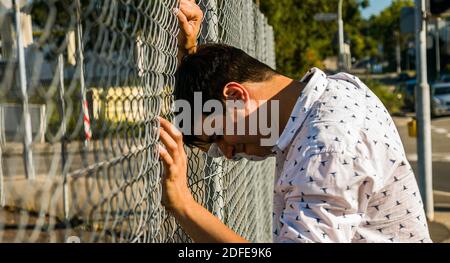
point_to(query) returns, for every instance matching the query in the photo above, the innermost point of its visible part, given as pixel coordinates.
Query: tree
(382, 28)
(302, 42)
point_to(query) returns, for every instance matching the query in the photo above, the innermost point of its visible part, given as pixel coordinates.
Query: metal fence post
(210, 26)
(423, 112)
(84, 105)
(214, 191)
(63, 136)
(2, 187)
(27, 138)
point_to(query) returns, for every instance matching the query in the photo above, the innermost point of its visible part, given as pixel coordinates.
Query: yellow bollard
(412, 128)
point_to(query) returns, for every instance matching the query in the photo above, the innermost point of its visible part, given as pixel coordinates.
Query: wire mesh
(81, 85)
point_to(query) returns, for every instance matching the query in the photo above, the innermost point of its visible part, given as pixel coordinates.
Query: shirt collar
(312, 91)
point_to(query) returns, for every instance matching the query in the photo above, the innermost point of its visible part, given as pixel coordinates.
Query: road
(441, 155)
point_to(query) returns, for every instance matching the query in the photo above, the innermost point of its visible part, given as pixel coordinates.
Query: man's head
(224, 74)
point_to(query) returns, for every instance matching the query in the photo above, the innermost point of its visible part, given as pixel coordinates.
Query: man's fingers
(170, 144)
(165, 157)
(184, 23)
(181, 16)
(191, 11)
(176, 135)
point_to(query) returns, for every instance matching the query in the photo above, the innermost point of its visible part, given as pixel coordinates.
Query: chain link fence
(81, 85)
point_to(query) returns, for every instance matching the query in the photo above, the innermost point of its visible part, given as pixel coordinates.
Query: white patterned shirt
(342, 173)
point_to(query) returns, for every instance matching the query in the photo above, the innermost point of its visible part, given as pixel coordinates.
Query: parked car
(441, 99)
(444, 78)
(440, 94)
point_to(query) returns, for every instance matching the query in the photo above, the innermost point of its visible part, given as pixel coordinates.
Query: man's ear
(235, 91)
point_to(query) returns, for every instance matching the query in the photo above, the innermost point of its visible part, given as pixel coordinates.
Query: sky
(376, 6)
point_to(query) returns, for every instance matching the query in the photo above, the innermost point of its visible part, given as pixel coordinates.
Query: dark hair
(210, 69)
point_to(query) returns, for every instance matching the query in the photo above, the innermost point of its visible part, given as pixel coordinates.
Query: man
(341, 170)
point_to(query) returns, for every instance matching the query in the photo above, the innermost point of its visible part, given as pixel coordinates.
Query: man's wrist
(184, 207)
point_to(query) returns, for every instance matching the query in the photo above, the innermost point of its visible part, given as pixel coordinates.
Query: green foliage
(302, 42)
(384, 28)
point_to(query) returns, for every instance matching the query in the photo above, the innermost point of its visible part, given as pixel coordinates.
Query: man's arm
(195, 220)
(190, 18)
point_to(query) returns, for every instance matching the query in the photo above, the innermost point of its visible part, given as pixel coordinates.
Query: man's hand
(196, 221)
(176, 196)
(190, 18)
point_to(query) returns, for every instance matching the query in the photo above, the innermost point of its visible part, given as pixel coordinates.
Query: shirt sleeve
(326, 196)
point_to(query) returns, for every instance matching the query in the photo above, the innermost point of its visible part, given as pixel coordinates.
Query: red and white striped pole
(86, 120)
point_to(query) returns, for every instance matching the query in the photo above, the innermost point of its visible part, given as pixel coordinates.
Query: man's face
(235, 134)
(232, 145)
(239, 124)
